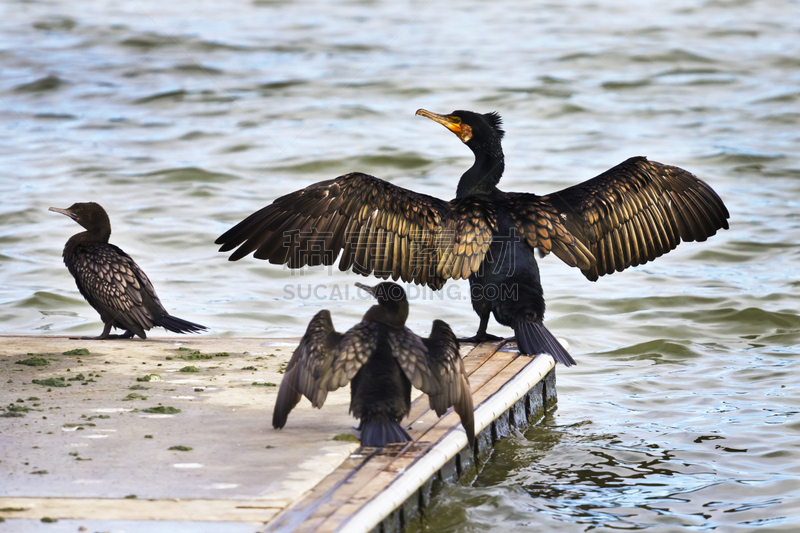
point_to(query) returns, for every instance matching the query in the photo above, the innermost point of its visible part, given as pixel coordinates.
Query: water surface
(183, 118)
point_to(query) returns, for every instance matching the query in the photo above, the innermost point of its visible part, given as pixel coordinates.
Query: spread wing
(115, 285)
(325, 360)
(435, 367)
(317, 346)
(635, 212)
(380, 229)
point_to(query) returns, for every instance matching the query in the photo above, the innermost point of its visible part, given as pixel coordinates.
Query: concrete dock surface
(174, 434)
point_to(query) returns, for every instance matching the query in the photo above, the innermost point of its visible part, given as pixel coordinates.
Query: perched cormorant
(626, 216)
(381, 358)
(111, 281)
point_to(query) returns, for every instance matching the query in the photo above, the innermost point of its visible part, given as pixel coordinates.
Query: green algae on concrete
(77, 351)
(181, 448)
(16, 411)
(34, 361)
(189, 369)
(347, 437)
(14, 408)
(52, 382)
(162, 409)
(133, 396)
(196, 356)
(149, 377)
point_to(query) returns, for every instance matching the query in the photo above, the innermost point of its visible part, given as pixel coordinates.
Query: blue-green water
(182, 118)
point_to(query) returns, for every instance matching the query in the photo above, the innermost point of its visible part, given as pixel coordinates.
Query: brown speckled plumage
(111, 281)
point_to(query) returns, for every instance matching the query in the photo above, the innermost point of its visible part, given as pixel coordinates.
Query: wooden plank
(478, 379)
(472, 361)
(398, 504)
(351, 478)
(306, 515)
(429, 432)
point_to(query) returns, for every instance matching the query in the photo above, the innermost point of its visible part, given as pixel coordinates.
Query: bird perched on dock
(626, 216)
(111, 281)
(381, 358)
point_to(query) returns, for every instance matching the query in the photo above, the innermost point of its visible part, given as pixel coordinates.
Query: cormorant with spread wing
(111, 281)
(381, 358)
(626, 216)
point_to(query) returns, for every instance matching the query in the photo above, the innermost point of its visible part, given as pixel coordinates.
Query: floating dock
(177, 431)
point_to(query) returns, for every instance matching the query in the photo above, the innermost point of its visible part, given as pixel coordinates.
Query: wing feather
(636, 212)
(352, 352)
(435, 367)
(317, 348)
(540, 226)
(379, 228)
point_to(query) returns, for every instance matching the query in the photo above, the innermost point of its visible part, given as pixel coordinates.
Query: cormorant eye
(455, 120)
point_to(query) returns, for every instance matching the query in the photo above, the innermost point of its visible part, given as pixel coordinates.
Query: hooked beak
(66, 212)
(366, 288)
(451, 123)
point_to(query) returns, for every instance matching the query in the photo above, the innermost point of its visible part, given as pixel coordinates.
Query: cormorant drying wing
(381, 358)
(626, 216)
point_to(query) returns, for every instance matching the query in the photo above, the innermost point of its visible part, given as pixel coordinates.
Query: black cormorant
(381, 358)
(626, 216)
(111, 281)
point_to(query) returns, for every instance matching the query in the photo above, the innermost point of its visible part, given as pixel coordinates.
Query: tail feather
(178, 325)
(382, 430)
(533, 338)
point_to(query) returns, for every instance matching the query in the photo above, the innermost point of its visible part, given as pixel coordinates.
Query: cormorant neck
(486, 171)
(395, 317)
(93, 235)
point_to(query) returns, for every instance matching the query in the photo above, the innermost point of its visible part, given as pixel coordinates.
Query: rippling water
(182, 118)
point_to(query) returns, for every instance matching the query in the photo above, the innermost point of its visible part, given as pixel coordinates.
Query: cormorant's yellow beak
(450, 122)
(66, 212)
(366, 288)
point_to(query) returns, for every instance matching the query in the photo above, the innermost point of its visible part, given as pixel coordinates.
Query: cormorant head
(392, 305)
(89, 215)
(470, 127)
(483, 135)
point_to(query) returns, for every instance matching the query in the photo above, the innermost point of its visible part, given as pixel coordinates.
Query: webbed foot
(103, 337)
(477, 339)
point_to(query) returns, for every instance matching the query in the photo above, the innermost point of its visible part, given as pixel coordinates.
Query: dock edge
(522, 400)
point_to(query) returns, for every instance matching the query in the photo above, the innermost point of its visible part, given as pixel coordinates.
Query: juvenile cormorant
(111, 281)
(381, 358)
(626, 216)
